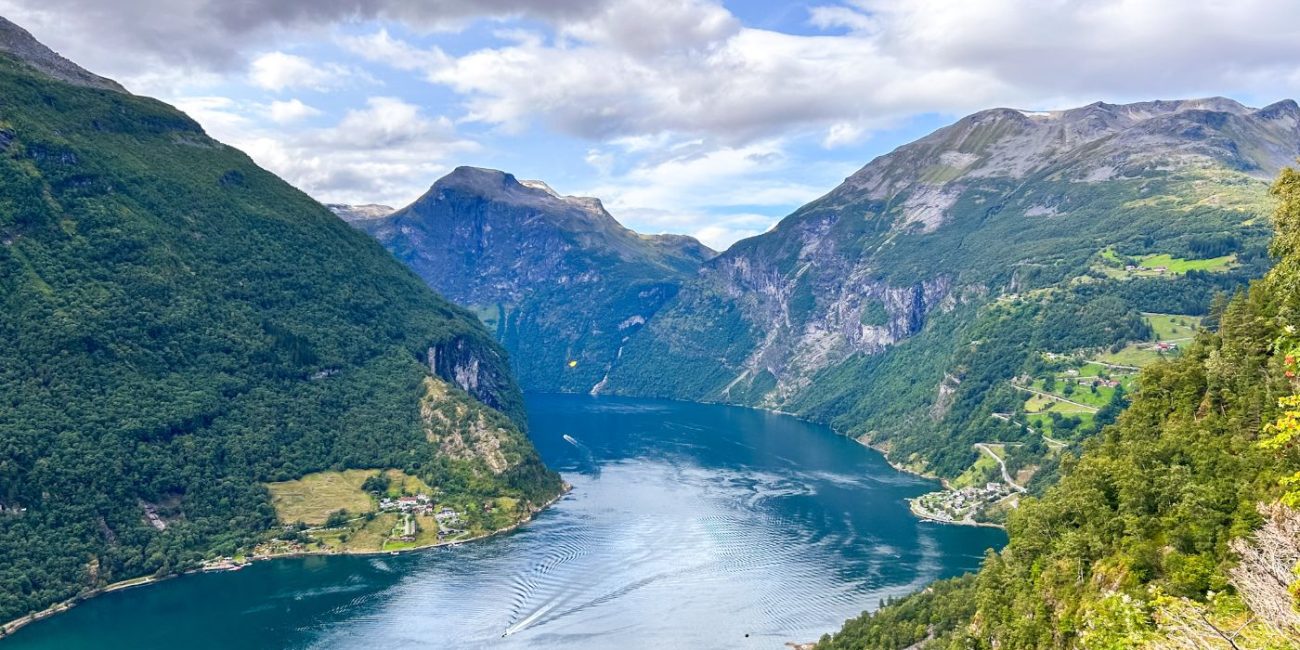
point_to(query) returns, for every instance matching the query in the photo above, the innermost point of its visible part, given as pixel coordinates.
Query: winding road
(1091, 409)
(1006, 476)
(1051, 441)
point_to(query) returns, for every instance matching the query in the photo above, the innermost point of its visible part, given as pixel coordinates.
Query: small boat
(569, 439)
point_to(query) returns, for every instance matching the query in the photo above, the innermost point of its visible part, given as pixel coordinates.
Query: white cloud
(388, 122)
(601, 161)
(216, 114)
(843, 133)
(638, 68)
(383, 47)
(711, 193)
(624, 73)
(721, 233)
(386, 151)
(279, 71)
(290, 111)
(129, 37)
(686, 112)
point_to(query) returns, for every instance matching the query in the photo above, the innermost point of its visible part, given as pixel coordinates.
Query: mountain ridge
(19, 43)
(989, 166)
(561, 282)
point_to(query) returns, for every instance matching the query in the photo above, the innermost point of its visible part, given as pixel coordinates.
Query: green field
(1038, 404)
(1095, 369)
(313, 497)
(1172, 327)
(1042, 423)
(1082, 393)
(984, 469)
(401, 483)
(1178, 265)
(1115, 265)
(1136, 354)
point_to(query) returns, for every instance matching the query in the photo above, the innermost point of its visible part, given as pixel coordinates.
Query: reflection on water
(688, 525)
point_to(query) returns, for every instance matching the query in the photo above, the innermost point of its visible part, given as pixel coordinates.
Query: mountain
(1176, 528)
(21, 45)
(182, 328)
(900, 306)
(364, 212)
(561, 282)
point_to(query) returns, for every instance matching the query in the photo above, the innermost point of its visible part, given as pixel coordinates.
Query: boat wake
(588, 459)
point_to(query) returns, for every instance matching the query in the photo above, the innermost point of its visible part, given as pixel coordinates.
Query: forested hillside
(1175, 528)
(180, 326)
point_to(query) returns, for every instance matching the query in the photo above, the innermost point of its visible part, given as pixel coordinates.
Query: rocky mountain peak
(20, 44)
(1285, 109)
(504, 187)
(562, 282)
(1088, 142)
(478, 179)
(363, 212)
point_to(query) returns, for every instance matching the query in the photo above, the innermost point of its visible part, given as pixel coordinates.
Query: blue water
(688, 526)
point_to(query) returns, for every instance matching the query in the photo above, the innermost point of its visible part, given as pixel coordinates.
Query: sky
(703, 117)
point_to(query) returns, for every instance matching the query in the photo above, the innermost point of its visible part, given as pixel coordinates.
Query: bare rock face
(461, 363)
(363, 212)
(17, 42)
(463, 431)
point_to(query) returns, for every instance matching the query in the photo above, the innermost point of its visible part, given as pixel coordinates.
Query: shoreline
(884, 453)
(8, 628)
(880, 449)
(925, 515)
(396, 551)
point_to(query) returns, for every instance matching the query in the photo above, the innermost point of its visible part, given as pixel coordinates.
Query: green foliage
(337, 519)
(875, 314)
(179, 327)
(1150, 506)
(377, 484)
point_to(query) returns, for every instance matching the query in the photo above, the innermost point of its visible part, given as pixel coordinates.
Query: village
(967, 505)
(1063, 394)
(367, 511)
(409, 507)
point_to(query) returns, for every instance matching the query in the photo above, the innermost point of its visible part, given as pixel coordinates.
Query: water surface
(688, 526)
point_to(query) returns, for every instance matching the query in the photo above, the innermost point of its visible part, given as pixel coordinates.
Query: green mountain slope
(561, 282)
(181, 326)
(901, 306)
(1167, 532)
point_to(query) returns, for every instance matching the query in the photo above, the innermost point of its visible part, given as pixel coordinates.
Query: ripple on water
(688, 525)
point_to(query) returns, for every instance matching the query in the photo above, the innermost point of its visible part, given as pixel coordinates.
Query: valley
(902, 323)
(1070, 335)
